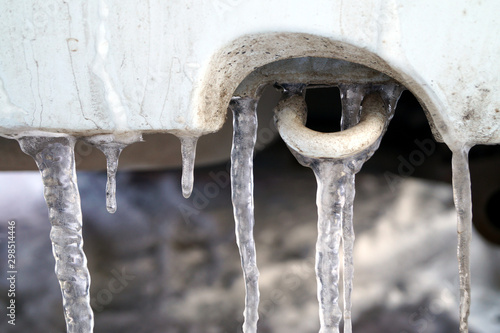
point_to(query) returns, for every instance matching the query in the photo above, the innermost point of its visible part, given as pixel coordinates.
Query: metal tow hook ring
(290, 117)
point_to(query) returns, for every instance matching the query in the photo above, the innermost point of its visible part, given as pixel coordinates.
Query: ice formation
(244, 138)
(188, 152)
(463, 203)
(54, 156)
(112, 146)
(335, 196)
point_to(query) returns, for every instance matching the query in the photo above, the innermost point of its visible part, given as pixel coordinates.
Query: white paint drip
(113, 97)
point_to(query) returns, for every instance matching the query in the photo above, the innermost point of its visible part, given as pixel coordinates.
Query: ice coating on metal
(335, 196)
(54, 157)
(188, 152)
(244, 137)
(463, 203)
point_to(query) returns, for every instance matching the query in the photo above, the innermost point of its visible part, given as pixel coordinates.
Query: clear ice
(335, 197)
(463, 203)
(244, 138)
(188, 152)
(112, 148)
(351, 97)
(55, 158)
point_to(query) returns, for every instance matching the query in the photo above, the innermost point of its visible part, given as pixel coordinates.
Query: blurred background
(163, 263)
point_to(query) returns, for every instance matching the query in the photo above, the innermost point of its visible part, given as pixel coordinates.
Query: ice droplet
(54, 156)
(463, 203)
(188, 152)
(244, 138)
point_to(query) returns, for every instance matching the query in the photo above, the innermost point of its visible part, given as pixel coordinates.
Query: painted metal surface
(110, 66)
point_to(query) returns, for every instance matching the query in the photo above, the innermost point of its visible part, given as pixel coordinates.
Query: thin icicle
(351, 96)
(244, 137)
(55, 159)
(188, 152)
(463, 203)
(112, 152)
(348, 237)
(390, 94)
(112, 147)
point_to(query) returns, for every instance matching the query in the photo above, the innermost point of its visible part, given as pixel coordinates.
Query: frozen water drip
(244, 138)
(335, 158)
(112, 146)
(188, 152)
(463, 203)
(54, 156)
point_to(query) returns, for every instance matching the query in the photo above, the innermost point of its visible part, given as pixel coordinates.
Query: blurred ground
(177, 264)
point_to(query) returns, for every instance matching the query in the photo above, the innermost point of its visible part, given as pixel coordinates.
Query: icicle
(188, 151)
(335, 196)
(330, 200)
(351, 96)
(244, 137)
(348, 247)
(390, 94)
(112, 147)
(112, 152)
(463, 203)
(55, 159)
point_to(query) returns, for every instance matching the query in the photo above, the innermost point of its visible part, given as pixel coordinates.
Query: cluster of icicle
(335, 196)
(54, 156)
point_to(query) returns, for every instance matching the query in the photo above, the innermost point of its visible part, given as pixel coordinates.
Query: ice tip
(111, 202)
(187, 191)
(187, 181)
(111, 209)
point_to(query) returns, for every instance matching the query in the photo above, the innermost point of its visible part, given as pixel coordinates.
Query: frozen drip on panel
(54, 157)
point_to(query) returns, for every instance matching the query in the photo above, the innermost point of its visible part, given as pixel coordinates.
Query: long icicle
(244, 138)
(55, 158)
(463, 203)
(330, 200)
(351, 96)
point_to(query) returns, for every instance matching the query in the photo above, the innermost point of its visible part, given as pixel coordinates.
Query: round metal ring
(290, 117)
